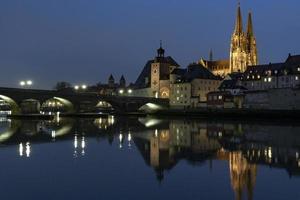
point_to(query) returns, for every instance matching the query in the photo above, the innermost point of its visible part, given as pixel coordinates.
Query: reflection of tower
(242, 174)
(154, 151)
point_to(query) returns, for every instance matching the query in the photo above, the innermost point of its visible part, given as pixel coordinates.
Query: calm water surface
(147, 158)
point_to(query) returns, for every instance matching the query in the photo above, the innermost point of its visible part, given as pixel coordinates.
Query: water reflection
(163, 143)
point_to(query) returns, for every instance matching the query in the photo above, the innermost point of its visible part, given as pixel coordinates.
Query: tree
(62, 85)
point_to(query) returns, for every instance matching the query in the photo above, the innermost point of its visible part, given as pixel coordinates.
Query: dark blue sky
(83, 41)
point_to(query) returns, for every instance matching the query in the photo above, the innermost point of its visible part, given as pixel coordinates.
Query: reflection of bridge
(31, 101)
(164, 143)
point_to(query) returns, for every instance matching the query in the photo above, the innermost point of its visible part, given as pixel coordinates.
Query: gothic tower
(243, 45)
(251, 42)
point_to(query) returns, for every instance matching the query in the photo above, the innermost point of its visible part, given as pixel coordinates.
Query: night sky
(83, 41)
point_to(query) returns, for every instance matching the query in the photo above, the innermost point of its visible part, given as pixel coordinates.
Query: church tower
(243, 50)
(251, 42)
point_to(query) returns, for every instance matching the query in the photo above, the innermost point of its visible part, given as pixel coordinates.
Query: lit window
(265, 79)
(269, 79)
(258, 76)
(220, 97)
(296, 78)
(177, 98)
(298, 69)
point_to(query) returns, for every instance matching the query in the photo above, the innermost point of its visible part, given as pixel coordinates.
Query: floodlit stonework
(243, 50)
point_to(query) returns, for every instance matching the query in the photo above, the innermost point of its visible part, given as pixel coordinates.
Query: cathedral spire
(250, 25)
(239, 23)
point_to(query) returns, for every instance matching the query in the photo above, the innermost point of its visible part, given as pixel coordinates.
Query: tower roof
(160, 51)
(111, 77)
(122, 78)
(239, 22)
(250, 25)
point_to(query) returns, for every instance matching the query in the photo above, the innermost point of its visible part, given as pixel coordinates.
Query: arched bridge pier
(28, 101)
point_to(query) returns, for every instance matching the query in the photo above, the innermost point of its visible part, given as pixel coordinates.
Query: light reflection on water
(247, 152)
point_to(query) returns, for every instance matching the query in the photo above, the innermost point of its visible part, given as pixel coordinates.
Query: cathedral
(243, 50)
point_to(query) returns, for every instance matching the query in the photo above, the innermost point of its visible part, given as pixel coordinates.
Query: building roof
(216, 64)
(290, 66)
(194, 71)
(198, 71)
(146, 72)
(231, 85)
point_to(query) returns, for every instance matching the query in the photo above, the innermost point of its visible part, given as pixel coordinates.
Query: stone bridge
(33, 101)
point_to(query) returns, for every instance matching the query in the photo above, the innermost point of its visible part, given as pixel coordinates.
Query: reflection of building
(104, 123)
(162, 149)
(242, 175)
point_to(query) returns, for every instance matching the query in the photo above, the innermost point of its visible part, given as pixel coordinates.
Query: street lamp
(76, 87)
(29, 82)
(83, 87)
(22, 83)
(26, 83)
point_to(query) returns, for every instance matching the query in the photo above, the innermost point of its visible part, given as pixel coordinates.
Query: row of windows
(215, 97)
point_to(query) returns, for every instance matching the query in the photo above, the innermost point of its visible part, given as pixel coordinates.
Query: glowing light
(21, 148)
(120, 140)
(28, 149)
(53, 134)
(270, 152)
(129, 139)
(83, 142)
(75, 142)
(83, 87)
(156, 133)
(82, 146)
(76, 87)
(129, 91)
(121, 91)
(29, 82)
(75, 146)
(22, 83)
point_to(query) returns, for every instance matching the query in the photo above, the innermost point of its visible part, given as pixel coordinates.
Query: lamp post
(27, 83)
(80, 87)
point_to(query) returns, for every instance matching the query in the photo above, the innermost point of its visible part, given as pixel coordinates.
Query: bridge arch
(104, 106)
(11, 104)
(57, 104)
(7, 129)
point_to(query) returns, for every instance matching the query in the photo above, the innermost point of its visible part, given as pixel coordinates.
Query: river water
(149, 158)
